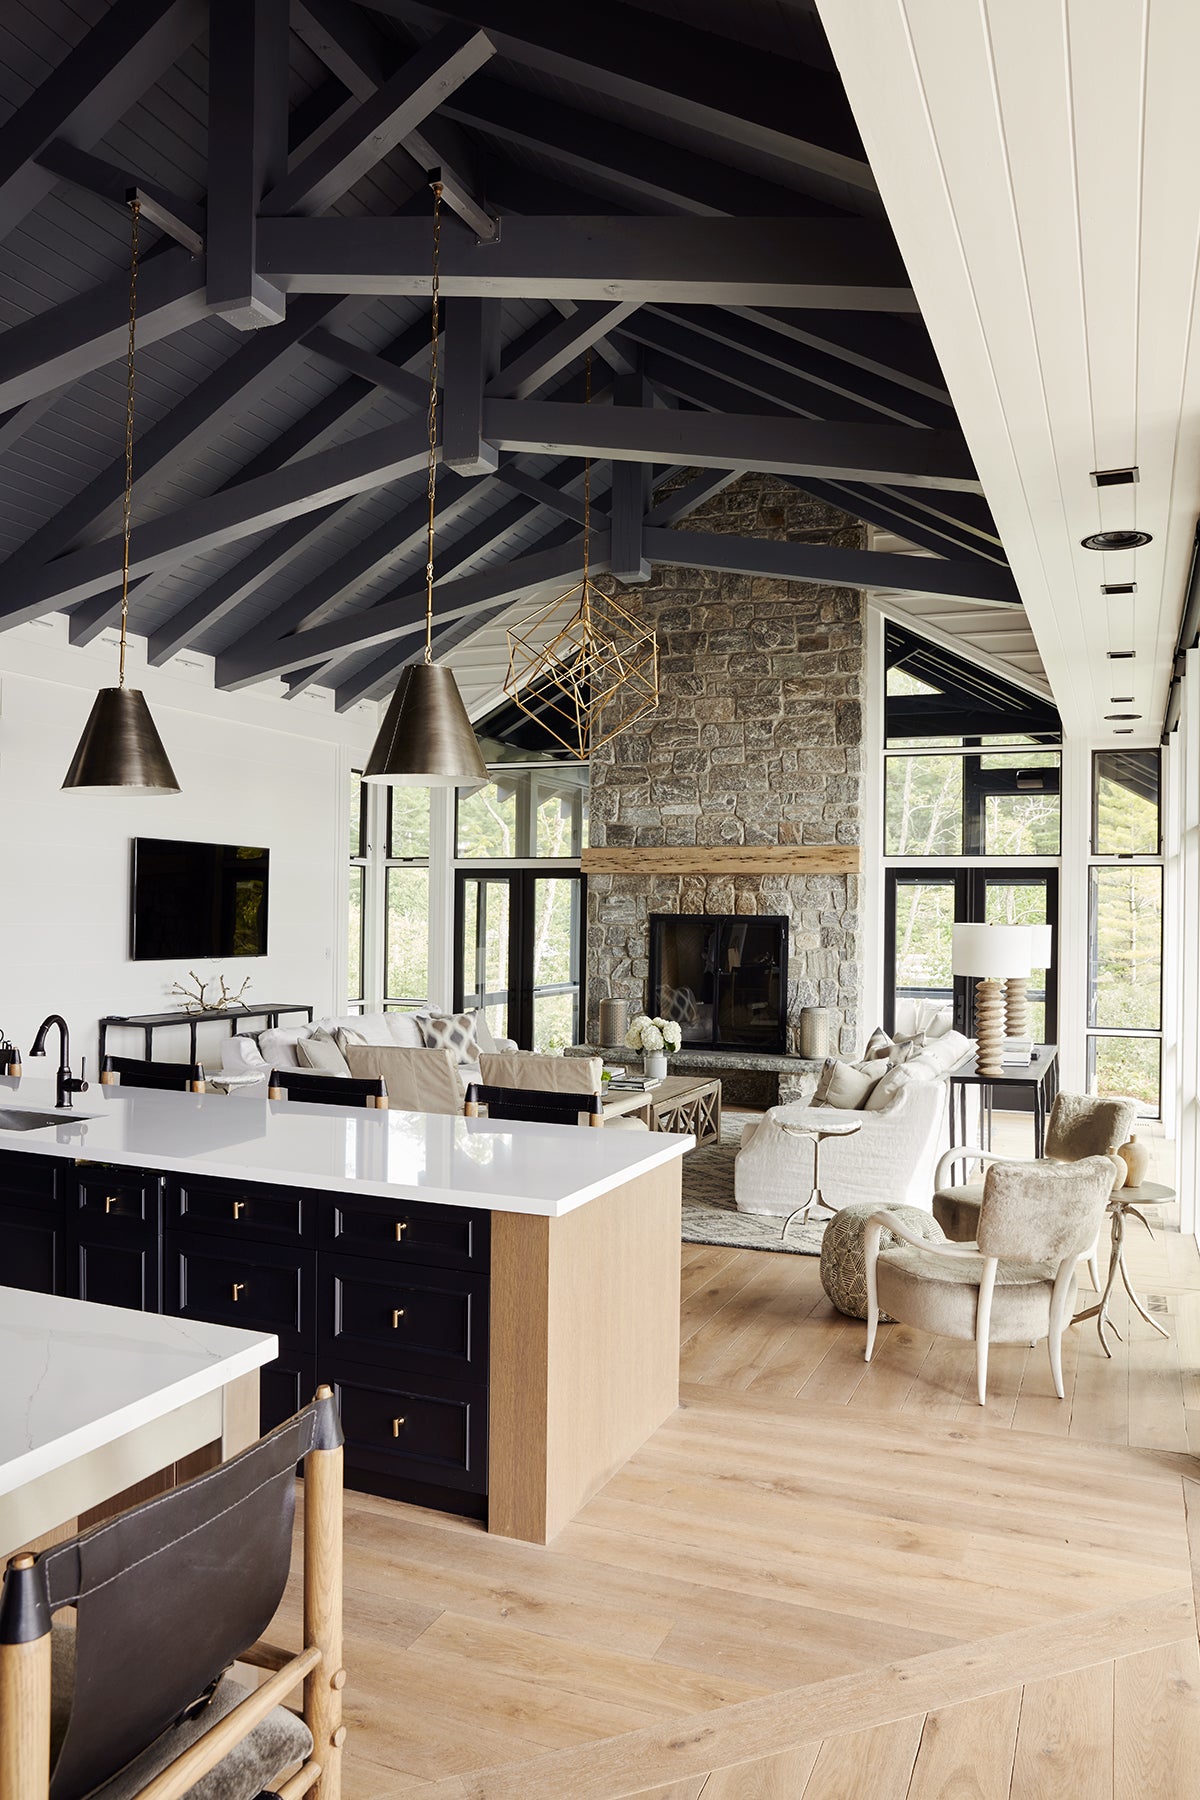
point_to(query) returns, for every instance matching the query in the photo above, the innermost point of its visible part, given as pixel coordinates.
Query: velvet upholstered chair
(1079, 1125)
(116, 1646)
(1016, 1283)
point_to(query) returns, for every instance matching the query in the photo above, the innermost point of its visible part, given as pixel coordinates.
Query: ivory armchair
(1016, 1283)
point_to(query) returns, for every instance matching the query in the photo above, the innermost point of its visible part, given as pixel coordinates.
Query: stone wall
(757, 740)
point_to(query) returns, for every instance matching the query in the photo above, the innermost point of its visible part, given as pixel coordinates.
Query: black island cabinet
(386, 1299)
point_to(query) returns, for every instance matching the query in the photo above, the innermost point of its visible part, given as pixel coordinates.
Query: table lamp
(1041, 952)
(991, 953)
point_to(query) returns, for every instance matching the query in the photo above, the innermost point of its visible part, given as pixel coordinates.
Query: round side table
(818, 1134)
(1124, 1201)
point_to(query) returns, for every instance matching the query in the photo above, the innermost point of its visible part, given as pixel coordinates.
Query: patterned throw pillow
(452, 1031)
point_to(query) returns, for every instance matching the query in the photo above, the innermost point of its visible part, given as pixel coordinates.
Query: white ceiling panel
(1039, 161)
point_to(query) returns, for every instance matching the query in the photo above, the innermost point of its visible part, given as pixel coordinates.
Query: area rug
(710, 1215)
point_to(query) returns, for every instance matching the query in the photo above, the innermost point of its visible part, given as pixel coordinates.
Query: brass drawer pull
(396, 1424)
(111, 1200)
(238, 1208)
(397, 1315)
(401, 1228)
(237, 1289)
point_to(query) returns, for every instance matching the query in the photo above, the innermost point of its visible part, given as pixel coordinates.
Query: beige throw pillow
(878, 1044)
(846, 1085)
(416, 1080)
(320, 1051)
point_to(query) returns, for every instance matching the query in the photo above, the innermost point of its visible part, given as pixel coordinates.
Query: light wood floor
(818, 1580)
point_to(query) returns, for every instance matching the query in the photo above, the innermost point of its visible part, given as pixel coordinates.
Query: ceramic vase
(1136, 1157)
(654, 1065)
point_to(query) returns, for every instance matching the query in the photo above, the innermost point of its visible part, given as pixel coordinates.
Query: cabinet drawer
(242, 1210)
(433, 1320)
(429, 1431)
(407, 1231)
(257, 1286)
(117, 1194)
(28, 1177)
(120, 1271)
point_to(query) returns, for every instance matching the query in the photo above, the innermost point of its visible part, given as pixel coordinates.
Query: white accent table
(96, 1399)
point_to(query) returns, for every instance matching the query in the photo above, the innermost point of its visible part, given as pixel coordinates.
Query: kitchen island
(496, 1304)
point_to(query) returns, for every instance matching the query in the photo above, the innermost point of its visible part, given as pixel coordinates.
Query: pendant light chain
(433, 393)
(127, 509)
(587, 492)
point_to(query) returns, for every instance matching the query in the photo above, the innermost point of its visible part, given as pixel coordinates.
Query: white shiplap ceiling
(1039, 161)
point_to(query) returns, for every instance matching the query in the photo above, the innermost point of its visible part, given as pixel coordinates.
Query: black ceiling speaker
(1116, 540)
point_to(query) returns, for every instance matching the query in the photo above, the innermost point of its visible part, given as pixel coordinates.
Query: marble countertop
(78, 1376)
(500, 1166)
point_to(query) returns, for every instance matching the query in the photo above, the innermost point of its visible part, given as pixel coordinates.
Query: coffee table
(690, 1103)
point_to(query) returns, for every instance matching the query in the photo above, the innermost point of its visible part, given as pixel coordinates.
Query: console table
(1039, 1077)
(149, 1023)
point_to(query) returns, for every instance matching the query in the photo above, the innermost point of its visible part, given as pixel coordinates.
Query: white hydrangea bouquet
(654, 1038)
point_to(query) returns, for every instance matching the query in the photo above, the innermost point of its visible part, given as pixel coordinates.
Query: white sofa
(276, 1048)
(888, 1162)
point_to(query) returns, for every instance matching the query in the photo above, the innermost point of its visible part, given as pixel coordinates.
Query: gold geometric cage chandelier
(596, 675)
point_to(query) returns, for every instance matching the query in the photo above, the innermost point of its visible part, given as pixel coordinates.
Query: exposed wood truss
(692, 211)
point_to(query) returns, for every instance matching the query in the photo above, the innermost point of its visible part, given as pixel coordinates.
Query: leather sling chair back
(133, 1071)
(536, 1104)
(167, 1596)
(327, 1090)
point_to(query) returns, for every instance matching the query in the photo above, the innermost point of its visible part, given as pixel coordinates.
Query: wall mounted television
(197, 900)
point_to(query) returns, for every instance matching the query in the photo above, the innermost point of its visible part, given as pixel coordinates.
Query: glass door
(483, 952)
(1027, 898)
(519, 953)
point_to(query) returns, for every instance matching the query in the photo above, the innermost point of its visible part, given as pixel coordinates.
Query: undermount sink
(14, 1118)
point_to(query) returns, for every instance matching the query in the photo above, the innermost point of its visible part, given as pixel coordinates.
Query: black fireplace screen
(723, 977)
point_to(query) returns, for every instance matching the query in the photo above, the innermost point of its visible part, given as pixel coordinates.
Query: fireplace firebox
(722, 977)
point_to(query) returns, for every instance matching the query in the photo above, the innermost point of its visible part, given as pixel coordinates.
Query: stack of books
(624, 1083)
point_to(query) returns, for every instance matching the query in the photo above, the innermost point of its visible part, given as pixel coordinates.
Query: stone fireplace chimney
(757, 741)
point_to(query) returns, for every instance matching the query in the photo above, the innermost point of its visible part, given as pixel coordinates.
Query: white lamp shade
(1041, 945)
(991, 952)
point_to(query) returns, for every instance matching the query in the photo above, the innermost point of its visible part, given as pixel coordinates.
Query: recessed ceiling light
(1122, 715)
(1120, 699)
(1116, 540)
(1103, 478)
(1122, 730)
(1118, 587)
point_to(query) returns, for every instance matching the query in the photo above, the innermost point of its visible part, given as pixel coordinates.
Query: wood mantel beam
(723, 859)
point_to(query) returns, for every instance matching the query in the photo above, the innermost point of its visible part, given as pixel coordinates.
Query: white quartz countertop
(500, 1166)
(78, 1376)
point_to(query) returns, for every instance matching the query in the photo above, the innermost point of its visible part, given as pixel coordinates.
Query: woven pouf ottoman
(843, 1266)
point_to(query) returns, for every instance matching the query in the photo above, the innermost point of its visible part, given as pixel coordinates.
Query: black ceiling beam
(471, 355)
(831, 566)
(555, 345)
(771, 445)
(546, 494)
(312, 604)
(630, 492)
(124, 54)
(249, 373)
(368, 364)
(405, 615)
(896, 349)
(639, 167)
(224, 518)
(380, 122)
(82, 334)
(761, 353)
(876, 507)
(689, 379)
(247, 151)
(693, 494)
(666, 67)
(180, 219)
(772, 262)
(345, 39)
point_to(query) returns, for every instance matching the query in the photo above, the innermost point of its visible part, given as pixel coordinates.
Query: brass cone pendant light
(589, 680)
(426, 738)
(120, 751)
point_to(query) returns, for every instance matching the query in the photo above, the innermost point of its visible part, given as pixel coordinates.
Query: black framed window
(519, 945)
(1126, 794)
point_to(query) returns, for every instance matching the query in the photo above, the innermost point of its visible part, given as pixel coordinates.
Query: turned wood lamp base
(989, 1028)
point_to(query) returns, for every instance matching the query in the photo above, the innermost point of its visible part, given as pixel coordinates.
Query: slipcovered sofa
(276, 1049)
(888, 1162)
